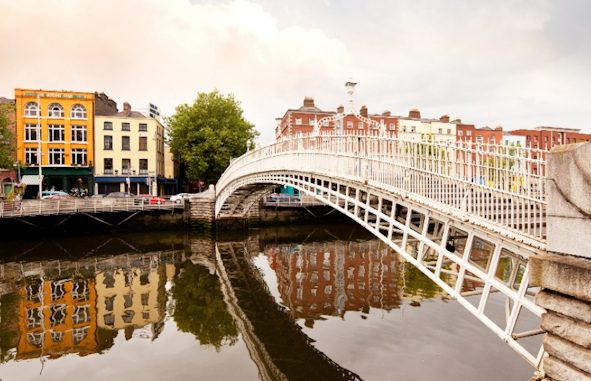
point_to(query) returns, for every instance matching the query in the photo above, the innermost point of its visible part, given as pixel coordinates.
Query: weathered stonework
(569, 199)
(564, 272)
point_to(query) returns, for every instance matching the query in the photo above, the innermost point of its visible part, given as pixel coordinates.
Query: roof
(549, 128)
(133, 114)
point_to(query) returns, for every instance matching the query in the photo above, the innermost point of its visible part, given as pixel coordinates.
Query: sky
(517, 64)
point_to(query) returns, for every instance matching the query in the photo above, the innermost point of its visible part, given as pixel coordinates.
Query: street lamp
(39, 161)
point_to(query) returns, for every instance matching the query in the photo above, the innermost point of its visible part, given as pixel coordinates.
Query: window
(56, 156)
(78, 112)
(108, 143)
(108, 126)
(143, 143)
(125, 126)
(108, 166)
(460, 133)
(311, 122)
(55, 110)
(413, 129)
(143, 166)
(440, 131)
(404, 129)
(360, 125)
(298, 121)
(143, 127)
(468, 133)
(449, 131)
(79, 134)
(491, 140)
(125, 166)
(31, 156)
(479, 138)
(56, 132)
(392, 126)
(125, 143)
(31, 132)
(78, 156)
(349, 124)
(31, 109)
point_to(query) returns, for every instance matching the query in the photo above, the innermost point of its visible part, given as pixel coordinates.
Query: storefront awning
(31, 179)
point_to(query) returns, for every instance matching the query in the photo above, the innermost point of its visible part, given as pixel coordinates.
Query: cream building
(129, 153)
(416, 128)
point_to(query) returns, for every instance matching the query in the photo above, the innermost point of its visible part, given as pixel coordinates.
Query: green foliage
(8, 326)
(200, 307)
(204, 136)
(7, 143)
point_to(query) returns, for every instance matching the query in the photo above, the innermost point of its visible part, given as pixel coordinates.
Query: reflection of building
(57, 317)
(329, 279)
(131, 298)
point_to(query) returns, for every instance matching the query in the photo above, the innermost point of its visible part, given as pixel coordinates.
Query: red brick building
(483, 135)
(545, 137)
(8, 176)
(302, 120)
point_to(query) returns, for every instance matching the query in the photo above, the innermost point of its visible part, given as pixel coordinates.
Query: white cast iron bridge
(467, 215)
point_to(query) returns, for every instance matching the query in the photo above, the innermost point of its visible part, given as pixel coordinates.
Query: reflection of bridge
(275, 342)
(477, 213)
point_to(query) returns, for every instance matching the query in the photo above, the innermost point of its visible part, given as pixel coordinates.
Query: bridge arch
(427, 210)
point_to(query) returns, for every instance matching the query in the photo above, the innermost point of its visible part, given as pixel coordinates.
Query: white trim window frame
(55, 110)
(31, 110)
(56, 156)
(31, 132)
(78, 111)
(78, 156)
(79, 133)
(56, 132)
(31, 156)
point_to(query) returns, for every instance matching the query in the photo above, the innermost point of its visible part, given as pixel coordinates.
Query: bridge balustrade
(496, 186)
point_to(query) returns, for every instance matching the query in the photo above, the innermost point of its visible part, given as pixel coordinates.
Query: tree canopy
(6, 139)
(204, 136)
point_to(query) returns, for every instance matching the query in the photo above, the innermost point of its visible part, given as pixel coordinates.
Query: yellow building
(55, 130)
(129, 153)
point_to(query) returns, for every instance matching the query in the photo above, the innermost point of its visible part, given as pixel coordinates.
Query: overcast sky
(518, 64)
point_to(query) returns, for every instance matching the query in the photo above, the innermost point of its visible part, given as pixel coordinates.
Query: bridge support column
(564, 273)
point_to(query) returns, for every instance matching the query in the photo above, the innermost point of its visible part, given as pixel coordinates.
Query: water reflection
(272, 304)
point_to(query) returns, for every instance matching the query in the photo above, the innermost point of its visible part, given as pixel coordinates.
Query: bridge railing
(78, 205)
(491, 184)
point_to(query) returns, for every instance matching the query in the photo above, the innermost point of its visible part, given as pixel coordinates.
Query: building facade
(547, 137)
(9, 177)
(54, 138)
(129, 153)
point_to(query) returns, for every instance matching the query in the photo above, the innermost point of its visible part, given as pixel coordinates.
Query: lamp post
(39, 161)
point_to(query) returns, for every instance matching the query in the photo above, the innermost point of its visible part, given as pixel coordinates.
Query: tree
(204, 136)
(200, 308)
(6, 139)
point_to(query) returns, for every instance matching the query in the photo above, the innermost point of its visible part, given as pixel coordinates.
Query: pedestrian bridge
(467, 215)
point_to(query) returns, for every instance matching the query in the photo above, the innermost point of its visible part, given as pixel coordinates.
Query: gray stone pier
(564, 272)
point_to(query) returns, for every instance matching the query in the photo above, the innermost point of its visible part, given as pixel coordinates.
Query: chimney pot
(444, 118)
(363, 111)
(414, 113)
(308, 102)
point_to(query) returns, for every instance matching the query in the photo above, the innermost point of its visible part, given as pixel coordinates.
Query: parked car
(149, 199)
(178, 198)
(53, 194)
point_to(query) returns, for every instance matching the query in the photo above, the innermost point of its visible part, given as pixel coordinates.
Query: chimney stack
(444, 118)
(363, 111)
(341, 109)
(386, 113)
(308, 102)
(414, 113)
(126, 109)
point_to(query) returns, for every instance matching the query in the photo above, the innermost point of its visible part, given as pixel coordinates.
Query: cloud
(165, 52)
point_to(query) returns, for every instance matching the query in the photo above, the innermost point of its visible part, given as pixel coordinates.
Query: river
(286, 303)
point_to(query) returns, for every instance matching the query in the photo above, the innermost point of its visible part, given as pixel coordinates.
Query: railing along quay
(29, 208)
(496, 186)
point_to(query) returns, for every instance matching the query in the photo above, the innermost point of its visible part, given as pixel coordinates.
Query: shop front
(71, 180)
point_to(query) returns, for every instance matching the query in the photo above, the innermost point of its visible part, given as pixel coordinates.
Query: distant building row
(413, 127)
(79, 140)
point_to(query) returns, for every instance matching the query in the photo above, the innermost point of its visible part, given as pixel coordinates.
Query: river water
(295, 303)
